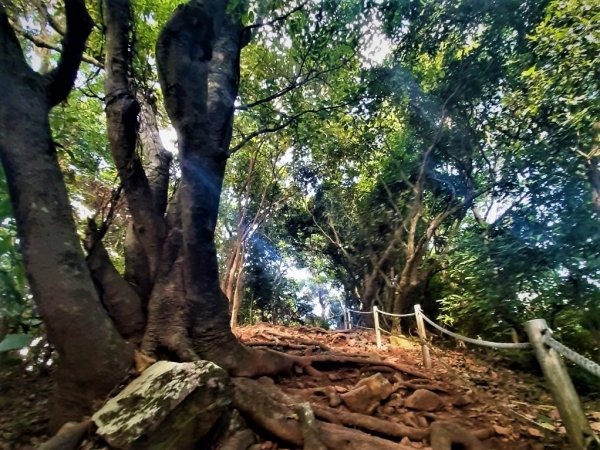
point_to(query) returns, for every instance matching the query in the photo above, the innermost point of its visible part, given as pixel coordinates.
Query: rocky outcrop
(171, 405)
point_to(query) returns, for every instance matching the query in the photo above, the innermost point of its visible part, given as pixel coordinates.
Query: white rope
(360, 312)
(476, 341)
(395, 315)
(572, 355)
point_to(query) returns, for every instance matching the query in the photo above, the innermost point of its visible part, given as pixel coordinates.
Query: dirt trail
(505, 409)
(383, 392)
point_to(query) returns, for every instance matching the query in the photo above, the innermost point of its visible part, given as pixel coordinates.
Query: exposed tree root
(337, 437)
(309, 428)
(307, 362)
(328, 391)
(289, 418)
(312, 330)
(240, 440)
(300, 340)
(257, 362)
(268, 410)
(276, 344)
(343, 359)
(383, 369)
(445, 434)
(267, 407)
(369, 423)
(68, 437)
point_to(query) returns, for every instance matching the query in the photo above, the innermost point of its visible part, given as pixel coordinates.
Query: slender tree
(93, 357)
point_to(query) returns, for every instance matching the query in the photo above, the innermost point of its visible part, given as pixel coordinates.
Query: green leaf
(15, 342)
(529, 72)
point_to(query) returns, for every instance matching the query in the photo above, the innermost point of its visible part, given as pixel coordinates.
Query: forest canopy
(186, 168)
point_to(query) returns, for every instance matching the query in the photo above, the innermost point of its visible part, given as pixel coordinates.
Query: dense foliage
(440, 152)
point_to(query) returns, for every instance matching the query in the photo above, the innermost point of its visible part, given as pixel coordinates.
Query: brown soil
(513, 409)
(505, 409)
(23, 408)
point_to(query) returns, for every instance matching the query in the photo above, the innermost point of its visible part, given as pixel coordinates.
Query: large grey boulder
(169, 406)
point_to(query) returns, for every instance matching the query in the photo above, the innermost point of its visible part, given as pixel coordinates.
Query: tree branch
(308, 77)
(55, 24)
(285, 123)
(43, 43)
(277, 19)
(79, 25)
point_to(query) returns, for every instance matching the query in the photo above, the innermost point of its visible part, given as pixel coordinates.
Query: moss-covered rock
(171, 405)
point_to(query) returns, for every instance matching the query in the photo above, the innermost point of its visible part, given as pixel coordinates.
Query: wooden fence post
(422, 337)
(578, 429)
(376, 322)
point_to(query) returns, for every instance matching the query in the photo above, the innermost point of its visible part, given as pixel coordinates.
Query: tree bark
(118, 297)
(92, 357)
(238, 294)
(122, 109)
(593, 173)
(156, 164)
(157, 160)
(194, 52)
(592, 167)
(232, 267)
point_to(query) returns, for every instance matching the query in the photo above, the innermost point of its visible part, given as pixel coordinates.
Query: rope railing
(481, 342)
(395, 315)
(571, 355)
(359, 312)
(363, 328)
(548, 340)
(541, 340)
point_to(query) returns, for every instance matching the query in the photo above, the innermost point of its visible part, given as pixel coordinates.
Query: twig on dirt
(526, 420)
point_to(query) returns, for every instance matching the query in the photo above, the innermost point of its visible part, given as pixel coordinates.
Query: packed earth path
(466, 398)
(503, 408)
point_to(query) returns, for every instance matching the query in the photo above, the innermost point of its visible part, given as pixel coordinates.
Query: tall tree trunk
(593, 172)
(200, 48)
(157, 159)
(92, 357)
(233, 268)
(322, 303)
(122, 109)
(238, 294)
(156, 165)
(593, 167)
